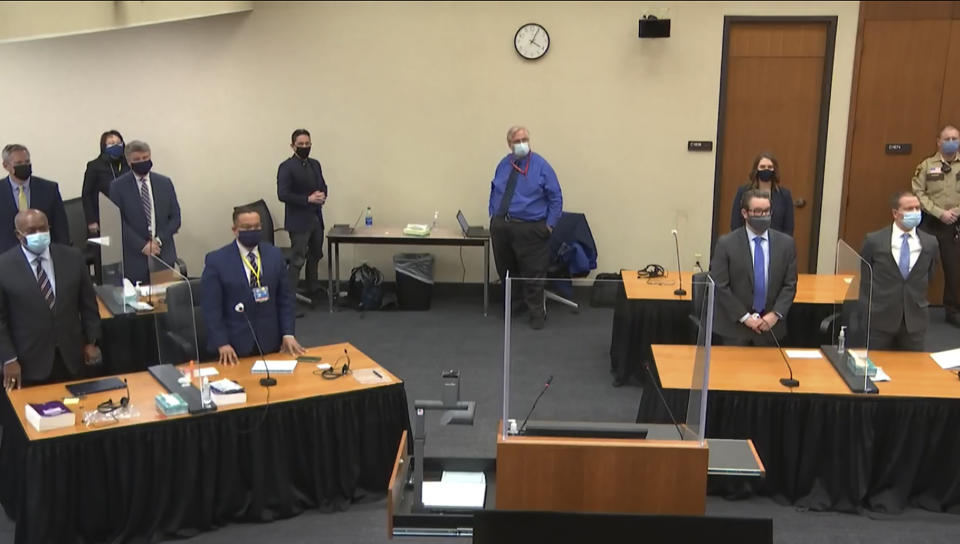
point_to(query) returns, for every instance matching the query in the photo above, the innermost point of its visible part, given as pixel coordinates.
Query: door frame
(825, 89)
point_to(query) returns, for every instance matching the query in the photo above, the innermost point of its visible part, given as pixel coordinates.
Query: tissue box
(171, 404)
(413, 229)
(860, 366)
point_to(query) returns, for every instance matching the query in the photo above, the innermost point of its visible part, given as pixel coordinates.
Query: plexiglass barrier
(170, 294)
(112, 291)
(550, 374)
(853, 294)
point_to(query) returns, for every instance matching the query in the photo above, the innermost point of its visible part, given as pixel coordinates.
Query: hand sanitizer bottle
(436, 218)
(842, 340)
(205, 392)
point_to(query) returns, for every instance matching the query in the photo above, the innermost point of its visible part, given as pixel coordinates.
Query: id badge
(261, 294)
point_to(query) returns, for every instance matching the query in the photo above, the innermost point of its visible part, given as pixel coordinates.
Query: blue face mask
(114, 151)
(249, 238)
(37, 242)
(911, 219)
(949, 147)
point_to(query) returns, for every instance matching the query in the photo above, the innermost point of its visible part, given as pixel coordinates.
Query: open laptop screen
(463, 221)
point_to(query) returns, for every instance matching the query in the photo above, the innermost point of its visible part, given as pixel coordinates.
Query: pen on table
(378, 374)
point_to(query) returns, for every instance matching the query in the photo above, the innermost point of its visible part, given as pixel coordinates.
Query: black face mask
(759, 223)
(765, 175)
(303, 152)
(141, 168)
(23, 171)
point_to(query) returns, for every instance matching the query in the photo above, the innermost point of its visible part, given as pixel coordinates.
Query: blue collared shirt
(537, 195)
(16, 190)
(46, 264)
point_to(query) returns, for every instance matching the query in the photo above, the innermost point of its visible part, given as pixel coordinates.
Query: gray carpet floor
(574, 348)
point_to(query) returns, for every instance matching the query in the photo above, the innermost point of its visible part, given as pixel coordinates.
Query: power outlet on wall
(697, 257)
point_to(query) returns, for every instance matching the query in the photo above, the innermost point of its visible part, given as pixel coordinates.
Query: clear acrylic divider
(111, 290)
(853, 293)
(572, 354)
(171, 298)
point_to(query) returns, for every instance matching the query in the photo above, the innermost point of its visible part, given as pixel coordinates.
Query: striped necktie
(254, 267)
(44, 282)
(146, 202)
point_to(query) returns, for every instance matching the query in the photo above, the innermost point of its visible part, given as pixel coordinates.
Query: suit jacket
(224, 283)
(296, 180)
(44, 196)
(732, 271)
(125, 193)
(29, 330)
(781, 210)
(897, 300)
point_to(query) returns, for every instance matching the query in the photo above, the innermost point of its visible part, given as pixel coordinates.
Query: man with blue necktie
(902, 259)
(755, 271)
(251, 272)
(525, 205)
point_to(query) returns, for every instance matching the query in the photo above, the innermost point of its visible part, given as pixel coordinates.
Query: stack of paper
(276, 367)
(456, 490)
(947, 359)
(225, 392)
(45, 416)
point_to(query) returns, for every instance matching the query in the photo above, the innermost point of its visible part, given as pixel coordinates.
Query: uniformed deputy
(937, 183)
(525, 205)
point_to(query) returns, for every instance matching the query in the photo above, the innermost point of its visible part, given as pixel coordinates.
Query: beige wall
(408, 104)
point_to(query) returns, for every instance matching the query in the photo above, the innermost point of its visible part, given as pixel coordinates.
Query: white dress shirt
(896, 240)
(243, 256)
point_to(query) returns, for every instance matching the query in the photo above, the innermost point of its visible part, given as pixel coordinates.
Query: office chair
(573, 254)
(77, 228)
(183, 319)
(269, 235)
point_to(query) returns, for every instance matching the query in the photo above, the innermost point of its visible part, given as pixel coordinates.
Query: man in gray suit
(49, 320)
(755, 271)
(903, 259)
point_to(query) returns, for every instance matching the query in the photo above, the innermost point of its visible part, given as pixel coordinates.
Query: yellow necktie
(22, 204)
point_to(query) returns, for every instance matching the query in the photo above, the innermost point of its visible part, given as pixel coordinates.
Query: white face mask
(521, 149)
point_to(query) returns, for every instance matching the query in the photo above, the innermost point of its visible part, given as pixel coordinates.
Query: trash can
(414, 280)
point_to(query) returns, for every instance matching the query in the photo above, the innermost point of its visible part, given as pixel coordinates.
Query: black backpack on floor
(365, 288)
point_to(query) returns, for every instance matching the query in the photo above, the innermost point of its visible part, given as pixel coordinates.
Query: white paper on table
(457, 477)
(455, 495)
(881, 376)
(947, 359)
(280, 367)
(803, 353)
(140, 306)
(208, 371)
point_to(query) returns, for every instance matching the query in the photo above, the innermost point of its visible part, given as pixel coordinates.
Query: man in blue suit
(23, 191)
(253, 273)
(149, 212)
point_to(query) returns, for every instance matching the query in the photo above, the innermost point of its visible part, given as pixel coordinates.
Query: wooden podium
(601, 475)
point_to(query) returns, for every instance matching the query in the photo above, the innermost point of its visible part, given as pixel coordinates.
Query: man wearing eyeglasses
(755, 271)
(936, 182)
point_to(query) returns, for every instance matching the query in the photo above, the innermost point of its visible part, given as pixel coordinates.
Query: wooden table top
(755, 369)
(811, 288)
(393, 234)
(143, 388)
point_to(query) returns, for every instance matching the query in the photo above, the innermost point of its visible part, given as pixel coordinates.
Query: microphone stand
(679, 291)
(268, 381)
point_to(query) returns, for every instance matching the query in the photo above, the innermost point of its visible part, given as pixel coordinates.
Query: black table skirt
(637, 324)
(849, 454)
(181, 477)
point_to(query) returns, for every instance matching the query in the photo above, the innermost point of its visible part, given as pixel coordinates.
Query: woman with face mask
(101, 172)
(765, 175)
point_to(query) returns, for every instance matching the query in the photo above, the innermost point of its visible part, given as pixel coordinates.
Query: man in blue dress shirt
(525, 206)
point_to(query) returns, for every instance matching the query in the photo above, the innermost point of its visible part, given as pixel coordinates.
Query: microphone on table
(680, 291)
(268, 381)
(546, 386)
(786, 382)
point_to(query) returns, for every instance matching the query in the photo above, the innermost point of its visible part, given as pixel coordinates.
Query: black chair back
(178, 336)
(76, 223)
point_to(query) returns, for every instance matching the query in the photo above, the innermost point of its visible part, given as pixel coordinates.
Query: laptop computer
(471, 232)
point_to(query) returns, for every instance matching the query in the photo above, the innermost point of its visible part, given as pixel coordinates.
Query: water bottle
(368, 218)
(205, 392)
(842, 340)
(436, 218)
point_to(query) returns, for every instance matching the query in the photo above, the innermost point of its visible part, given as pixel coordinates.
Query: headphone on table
(109, 407)
(651, 271)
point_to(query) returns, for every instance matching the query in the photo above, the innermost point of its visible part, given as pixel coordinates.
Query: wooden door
(899, 97)
(772, 98)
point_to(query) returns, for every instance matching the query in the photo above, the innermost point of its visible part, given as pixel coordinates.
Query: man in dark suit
(251, 272)
(149, 211)
(22, 190)
(49, 319)
(755, 271)
(302, 189)
(903, 260)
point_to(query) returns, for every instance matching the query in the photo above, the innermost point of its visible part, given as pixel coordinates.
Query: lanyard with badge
(261, 293)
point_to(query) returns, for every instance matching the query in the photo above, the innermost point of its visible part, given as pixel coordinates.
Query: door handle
(799, 203)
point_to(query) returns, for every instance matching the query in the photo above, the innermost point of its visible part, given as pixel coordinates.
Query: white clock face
(532, 41)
